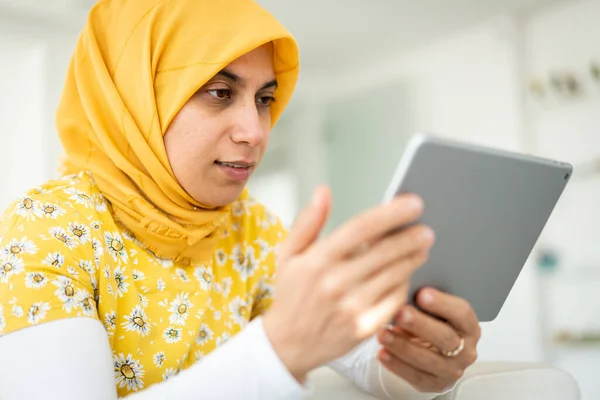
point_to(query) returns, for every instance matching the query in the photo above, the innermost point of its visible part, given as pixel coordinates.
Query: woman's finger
(374, 288)
(418, 357)
(308, 225)
(370, 226)
(428, 329)
(455, 310)
(399, 246)
(374, 317)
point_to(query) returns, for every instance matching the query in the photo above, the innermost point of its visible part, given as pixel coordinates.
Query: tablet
(487, 207)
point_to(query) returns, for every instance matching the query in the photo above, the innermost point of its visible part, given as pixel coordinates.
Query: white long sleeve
(362, 367)
(70, 359)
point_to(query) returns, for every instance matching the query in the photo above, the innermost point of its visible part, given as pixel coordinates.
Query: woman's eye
(266, 100)
(220, 93)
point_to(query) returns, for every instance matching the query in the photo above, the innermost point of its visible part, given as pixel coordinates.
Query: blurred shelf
(581, 340)
(571, 276)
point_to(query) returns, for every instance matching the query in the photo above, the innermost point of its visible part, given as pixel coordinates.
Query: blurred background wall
(522, 75)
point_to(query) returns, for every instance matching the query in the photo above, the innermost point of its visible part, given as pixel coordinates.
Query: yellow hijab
(135, 65)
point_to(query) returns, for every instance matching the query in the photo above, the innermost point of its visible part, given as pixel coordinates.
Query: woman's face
(220, 135)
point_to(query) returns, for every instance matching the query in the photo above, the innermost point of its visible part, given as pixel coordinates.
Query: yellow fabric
(62, 255)
(135, 64)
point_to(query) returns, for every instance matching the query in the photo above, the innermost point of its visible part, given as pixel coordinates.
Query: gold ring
(457, 351)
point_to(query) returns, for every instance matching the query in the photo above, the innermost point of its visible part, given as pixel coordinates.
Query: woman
(152, 239)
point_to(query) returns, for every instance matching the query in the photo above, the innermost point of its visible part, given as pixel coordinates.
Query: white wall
(33, 61)
(567, 38)
(466, 86)
(21, 128)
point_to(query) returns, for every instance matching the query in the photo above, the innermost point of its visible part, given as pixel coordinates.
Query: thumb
(308, 224)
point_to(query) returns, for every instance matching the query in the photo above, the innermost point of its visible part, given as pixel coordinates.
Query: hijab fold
(135, 65)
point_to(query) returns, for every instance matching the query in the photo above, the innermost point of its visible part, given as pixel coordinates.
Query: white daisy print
(28, 208)
(19, 247)
(244, 261)
(221, 257)
(94, 283)
(226, 284)
(264, 247)
(80, 232)
(264, 292)
(179, 309)
(35, 280)
(110, 322)
(115, 246)
(182, 275)
(72, 271)
(96, 225)
(166, 263)
(37, 312)
(143, 300)
(238, 209)
(161, 285)
(86, 266)
(81, 198)
(137, 321)
(159, 358)
(169, 373)
(217, 315)
(221, 340)
(17, 311)
(204, 335)
(240, 312)
(138, 275)
(62, 236)
(86, 302)
(120, 279)
(172, 335)
(205, 277)
(128, 372)
(100, 204)
(271, 218)
(199, 355)
(65, 292)
(10, 266)
(98, 249)
(52, 211)
(55, 259)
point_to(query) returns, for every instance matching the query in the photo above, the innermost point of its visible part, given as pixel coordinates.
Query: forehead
(258, 61)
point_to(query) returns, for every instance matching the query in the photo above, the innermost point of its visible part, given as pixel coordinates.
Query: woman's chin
(220, 196)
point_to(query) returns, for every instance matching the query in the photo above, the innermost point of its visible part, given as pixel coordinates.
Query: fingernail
(316, 198)
(385, 357)
(426, 297)
(416, 203)
(387, 338)
(406, 317)
(427, 235)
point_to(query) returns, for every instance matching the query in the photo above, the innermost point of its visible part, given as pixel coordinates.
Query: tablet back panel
(487, 208)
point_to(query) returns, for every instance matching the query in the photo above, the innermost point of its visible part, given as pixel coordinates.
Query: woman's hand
(419, 347)
(332, 294)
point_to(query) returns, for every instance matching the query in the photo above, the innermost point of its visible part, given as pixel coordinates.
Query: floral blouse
(63, 255)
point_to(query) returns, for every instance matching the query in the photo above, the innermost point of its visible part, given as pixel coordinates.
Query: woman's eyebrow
(270, 84)
(238, 80)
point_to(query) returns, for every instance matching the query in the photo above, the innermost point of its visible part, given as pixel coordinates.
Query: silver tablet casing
(487, 207)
